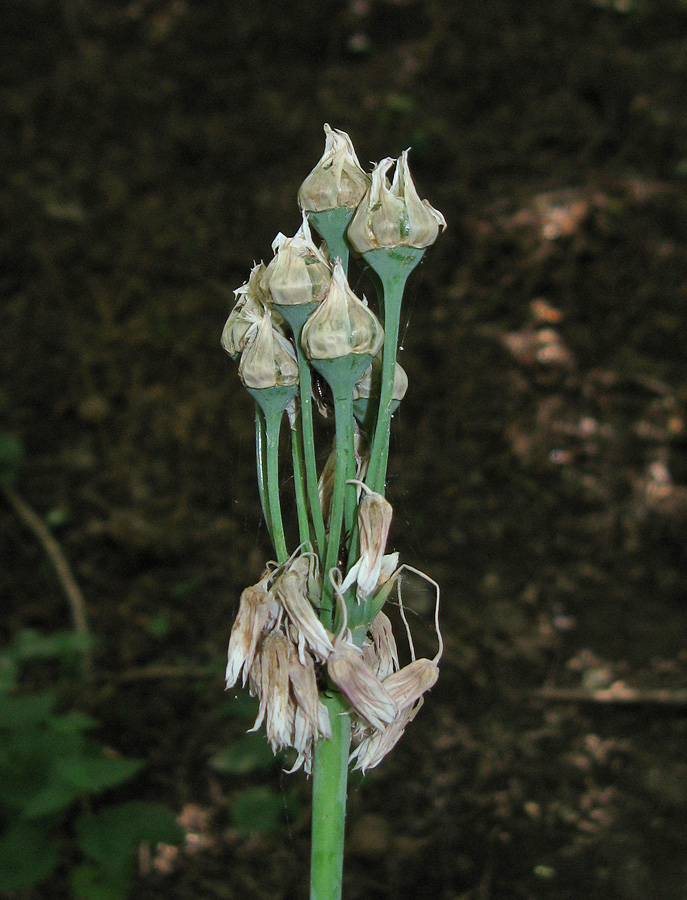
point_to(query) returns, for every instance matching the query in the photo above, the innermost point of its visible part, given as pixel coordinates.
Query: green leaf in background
(92, 775)
(53, 798)
(8, 673)
(109, 837)
(27, 856)
(249, 754)
(257, 810)
(11, 454)
(29, 644)
(89, 882)
(26, 711)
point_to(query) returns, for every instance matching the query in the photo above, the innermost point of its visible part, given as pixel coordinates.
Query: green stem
(273, 419)
(297, 316)
(330, 777)
(345, 459)
(309, 451)
(299, 480)
(393, 265)
(331, 224)
(261, 459)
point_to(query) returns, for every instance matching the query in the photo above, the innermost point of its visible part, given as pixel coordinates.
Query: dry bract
(342, 324)
(337, 179)
(299, 272)
(268, 359)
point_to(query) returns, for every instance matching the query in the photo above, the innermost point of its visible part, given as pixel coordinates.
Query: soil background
(150, 152)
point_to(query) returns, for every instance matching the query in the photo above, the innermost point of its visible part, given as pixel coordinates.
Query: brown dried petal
(408, 685)
(258, 611)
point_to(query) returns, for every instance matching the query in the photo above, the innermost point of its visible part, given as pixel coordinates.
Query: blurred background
(150, 152)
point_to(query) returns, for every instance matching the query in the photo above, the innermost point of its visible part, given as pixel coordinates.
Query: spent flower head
(268, 359)
(392, 214)
(338, 178)
(342, 324)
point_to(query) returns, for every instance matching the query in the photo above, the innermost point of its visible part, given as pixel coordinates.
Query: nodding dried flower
(268, 359)
(342, 324)
(291, 589)
(299, 272)
(338, 178)
(276, 708)
(349, 672)
(374, 520)
(380, 651)
(412, 681)
(251, 301)
(258, 613)
(359, 685)
(392, 215)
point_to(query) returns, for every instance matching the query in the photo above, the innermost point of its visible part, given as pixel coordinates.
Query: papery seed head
(342, 324)
(337, 179)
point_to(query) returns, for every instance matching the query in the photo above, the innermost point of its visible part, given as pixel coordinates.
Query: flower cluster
(275, 644)
(280, 648)
(296, 321)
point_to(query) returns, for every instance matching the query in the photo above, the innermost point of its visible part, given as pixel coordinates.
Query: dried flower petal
(381, 653)
(258, 612)
(291, 589)
(374, 520)
(412, 681)
(374, 747)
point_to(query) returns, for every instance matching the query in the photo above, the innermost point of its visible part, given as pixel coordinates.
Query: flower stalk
(310, 640)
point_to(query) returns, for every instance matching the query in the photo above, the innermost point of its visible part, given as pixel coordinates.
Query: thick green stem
(297, 316)
(330, 777)
(331, 225)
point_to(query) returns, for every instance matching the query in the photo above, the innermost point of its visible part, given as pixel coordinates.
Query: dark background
(150, 152)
